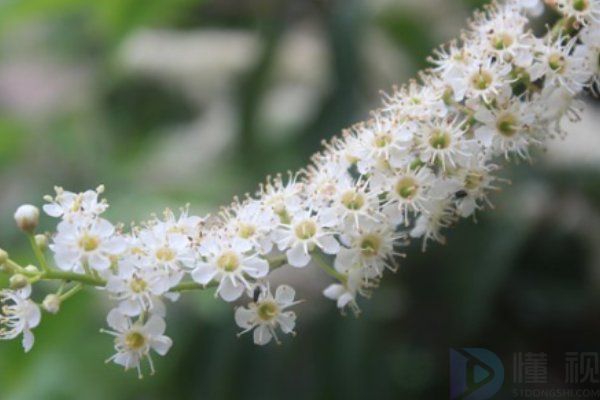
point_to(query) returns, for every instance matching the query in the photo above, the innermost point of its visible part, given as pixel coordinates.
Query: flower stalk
(427, 158)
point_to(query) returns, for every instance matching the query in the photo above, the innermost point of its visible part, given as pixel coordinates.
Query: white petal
(130, 307)
(344, 299)
(53, 210)
(155, 326)
(116, 245)
(103, 228)
(485, 134)
(244, 317)
(334, 291)
(228, 291)
(66, 260)
(287, 321)
(177, 241)
(297, 257)
(262, 335)
(117, 320)
(241, 245)
(256, 267)
(284, 295)
(161, 344)
(28, 340)
(328, 244)
(204, 274)
(345, 259)
(99, 262)
(33, 314)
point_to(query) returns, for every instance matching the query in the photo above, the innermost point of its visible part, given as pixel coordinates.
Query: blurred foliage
(514, 281)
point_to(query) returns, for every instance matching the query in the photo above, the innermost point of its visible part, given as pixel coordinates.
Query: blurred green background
(170, 102)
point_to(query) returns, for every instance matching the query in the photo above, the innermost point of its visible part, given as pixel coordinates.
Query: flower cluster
(424, 160)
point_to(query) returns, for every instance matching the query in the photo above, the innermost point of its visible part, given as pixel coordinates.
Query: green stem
(187, 286)
(38, 253)
(71, 292)
(318, 258)
(88, 279)
(54, 274)
(14, 266)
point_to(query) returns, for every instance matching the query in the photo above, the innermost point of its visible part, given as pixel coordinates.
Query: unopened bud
(27, 217)
(51, 303)
(41, 241)
(18, 281)
(31, 269)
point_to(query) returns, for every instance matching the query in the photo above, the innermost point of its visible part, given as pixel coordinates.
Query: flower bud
(18, 281)
(41, 241)
(31, 269)
(51, 303)
(27, 217)
(3, 257)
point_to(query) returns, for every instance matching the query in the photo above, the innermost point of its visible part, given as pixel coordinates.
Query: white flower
(139, 289)
(381, 141)
(282, 198)
(267, 314)
(251, 222)
(135, 340)
(504, 36)
(355, 204)
(442, 140)
(416, 102)
(326, 178)
(560, 66)
(429, 224)
(357, 281)
(18, 315)
(163, 247)
(507, 127)
(27, 217)
(481, 80)
(590, 36)
(584, 11)
(406, 190)
(185, 224)
(69, 205)
(371, 247)
(229, 263)
(476, 182)
(86, 243)
(306, 231)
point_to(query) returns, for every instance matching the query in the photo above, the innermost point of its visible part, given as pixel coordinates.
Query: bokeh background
(170, 102)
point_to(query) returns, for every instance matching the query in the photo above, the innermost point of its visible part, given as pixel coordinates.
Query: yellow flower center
(138, 285)
(502, 41)
(382, 140)
(473, 180)
(482, 80)
(246, 231)
(228, 261)
(306, 229)
(353, 200)
(267, 310)
(135, 340)
(407, 187)
(439, 140)
(89, 242)
(165, 254)
(557, 62)
(370, 245)
(507, 125)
